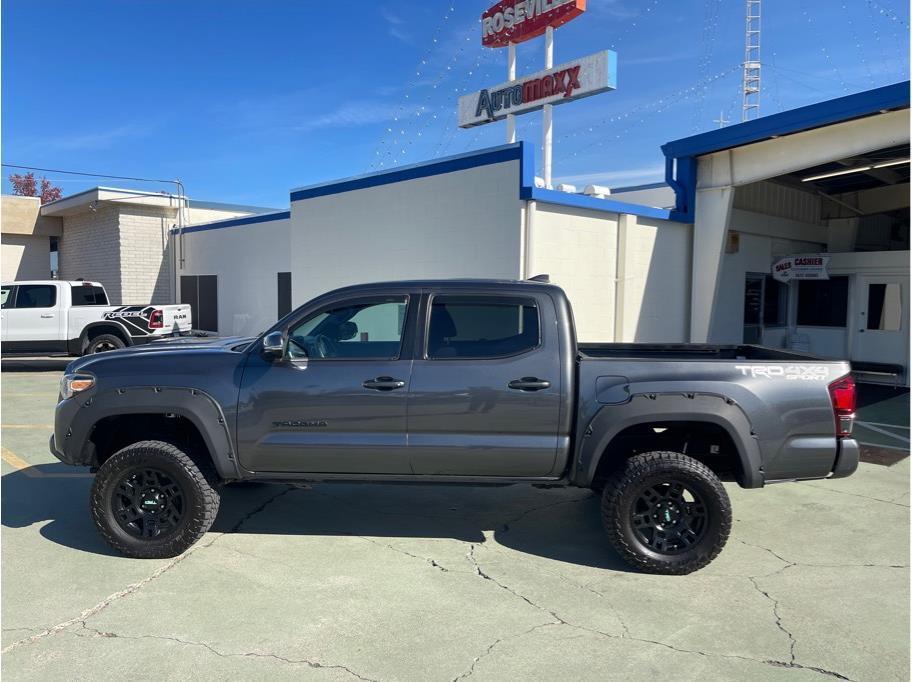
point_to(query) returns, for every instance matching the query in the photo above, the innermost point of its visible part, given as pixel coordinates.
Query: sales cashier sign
(563, 83)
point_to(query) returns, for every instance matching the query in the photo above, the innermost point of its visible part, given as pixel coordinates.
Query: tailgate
(176, 318)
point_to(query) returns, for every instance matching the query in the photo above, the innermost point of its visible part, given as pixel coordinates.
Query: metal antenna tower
(750, 82)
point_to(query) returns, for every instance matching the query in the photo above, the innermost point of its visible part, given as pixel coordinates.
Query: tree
(25, 186)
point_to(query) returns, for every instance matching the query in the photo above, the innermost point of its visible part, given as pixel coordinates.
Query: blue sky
(246, 100)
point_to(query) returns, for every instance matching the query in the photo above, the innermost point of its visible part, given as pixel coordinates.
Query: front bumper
(846, 458)
(52, 446)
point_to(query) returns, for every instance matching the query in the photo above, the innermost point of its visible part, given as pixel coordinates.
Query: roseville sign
(809, 266)
(563, 83)
(514, 21)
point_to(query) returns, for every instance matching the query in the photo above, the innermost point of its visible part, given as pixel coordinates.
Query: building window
(481, 327)
(283, 281)
(775, 302)
(55, 256)
(885, 307)
(823, 303)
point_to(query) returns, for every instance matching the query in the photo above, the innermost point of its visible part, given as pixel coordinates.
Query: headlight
(71, 384)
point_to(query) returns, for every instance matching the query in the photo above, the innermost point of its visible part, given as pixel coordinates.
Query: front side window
(36, 296)
(357, 330)
(481, 327)
(5, 296)
(89, 295)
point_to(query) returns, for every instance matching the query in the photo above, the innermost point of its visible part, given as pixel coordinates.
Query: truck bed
(688, 351)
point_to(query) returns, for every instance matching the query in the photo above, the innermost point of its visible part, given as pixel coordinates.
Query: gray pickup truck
(455, 381)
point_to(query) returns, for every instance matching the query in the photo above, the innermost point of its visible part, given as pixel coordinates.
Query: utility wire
(91, 175)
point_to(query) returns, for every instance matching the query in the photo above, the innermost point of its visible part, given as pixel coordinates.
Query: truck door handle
(46, 315)
(529, 384)
(383, 384)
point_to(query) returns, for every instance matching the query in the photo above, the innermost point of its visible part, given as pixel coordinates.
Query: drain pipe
(528, 247)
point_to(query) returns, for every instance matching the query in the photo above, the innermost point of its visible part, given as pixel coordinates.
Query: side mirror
(274, 344)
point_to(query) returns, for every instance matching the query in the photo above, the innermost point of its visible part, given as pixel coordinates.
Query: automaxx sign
(563, 83)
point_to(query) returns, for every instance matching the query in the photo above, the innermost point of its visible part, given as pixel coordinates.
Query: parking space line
(889, 426)
(26, 426)
(29, 470)
(883, 432)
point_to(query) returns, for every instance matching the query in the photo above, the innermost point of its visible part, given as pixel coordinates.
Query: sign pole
(511, 76)
(546, 111)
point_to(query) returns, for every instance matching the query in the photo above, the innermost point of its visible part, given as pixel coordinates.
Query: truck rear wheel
(666, 513)
(103, 343)
(151, 501)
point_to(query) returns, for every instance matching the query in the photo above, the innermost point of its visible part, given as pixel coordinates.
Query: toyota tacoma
(451, 381)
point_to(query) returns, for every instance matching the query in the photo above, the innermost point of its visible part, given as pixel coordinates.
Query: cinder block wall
(144, 254)
(90, 248)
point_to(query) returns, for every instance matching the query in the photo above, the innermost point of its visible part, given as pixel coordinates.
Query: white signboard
(563, 83)
(808, 266)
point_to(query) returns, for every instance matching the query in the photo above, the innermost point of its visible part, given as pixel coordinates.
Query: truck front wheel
(666, 513)
(151, 501)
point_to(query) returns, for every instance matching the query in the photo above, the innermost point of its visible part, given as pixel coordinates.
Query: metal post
(511, 76)
(546, 111)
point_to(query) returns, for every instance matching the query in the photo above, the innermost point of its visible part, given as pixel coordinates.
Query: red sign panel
(514, 21)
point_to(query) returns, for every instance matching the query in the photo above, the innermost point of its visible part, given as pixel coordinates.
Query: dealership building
(791, 231)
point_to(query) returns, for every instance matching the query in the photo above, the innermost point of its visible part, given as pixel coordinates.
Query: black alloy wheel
(669, 517)
(665, 512)
(151, 500)
(148, 503)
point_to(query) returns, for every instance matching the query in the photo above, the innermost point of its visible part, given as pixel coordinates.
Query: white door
(34, 321)
(881, 332)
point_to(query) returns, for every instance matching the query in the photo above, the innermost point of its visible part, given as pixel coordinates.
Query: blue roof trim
(235, 222)
(846, 108)
(552, 196)
(521, 151)
(450, 164)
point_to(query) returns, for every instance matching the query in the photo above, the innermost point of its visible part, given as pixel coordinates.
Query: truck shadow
(559, 524)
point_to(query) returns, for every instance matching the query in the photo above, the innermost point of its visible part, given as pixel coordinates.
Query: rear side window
(36, 296)
(89, 295)
(5, 297)
(481, 327)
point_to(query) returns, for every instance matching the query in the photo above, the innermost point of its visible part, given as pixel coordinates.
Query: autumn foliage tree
(26, 186)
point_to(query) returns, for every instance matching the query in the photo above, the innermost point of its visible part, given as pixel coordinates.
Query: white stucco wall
(655, 281)
(578, 249)
(461, 224)
(246, 259)
(25, 257)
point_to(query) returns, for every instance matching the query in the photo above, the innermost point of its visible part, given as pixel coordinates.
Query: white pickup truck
(74, 318)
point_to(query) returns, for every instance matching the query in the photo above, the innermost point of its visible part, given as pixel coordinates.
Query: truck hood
(175, 346)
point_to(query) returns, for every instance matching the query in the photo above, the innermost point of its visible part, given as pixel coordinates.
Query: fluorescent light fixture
(834, 174)
(897, 162)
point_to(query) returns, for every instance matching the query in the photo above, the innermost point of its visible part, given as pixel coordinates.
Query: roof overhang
(681, 155)
(89, 199)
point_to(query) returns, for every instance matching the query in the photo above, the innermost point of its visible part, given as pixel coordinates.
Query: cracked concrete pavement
(395, 582)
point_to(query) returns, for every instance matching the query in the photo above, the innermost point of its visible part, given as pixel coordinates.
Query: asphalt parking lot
(387, 582)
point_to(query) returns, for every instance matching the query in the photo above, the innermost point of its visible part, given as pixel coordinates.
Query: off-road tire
(201, 499)
(104, 343)
(618, 505)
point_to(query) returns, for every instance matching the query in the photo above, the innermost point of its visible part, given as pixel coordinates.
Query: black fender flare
(611, 420)
(197, 406)
(84, 336)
